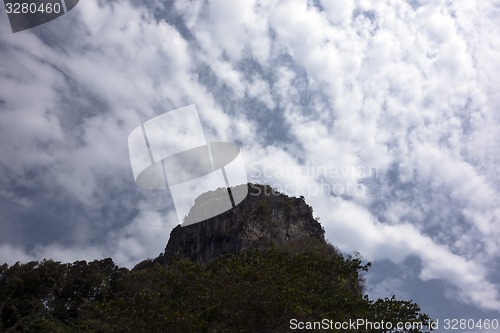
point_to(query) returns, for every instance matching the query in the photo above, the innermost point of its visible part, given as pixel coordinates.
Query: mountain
(265, 218)
(262, 267)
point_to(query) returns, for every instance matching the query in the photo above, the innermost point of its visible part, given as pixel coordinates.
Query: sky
(382, 114)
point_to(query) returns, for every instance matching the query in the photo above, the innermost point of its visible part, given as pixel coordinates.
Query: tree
(253, 291)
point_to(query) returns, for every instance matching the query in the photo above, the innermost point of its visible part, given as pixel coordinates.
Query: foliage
(254, 291)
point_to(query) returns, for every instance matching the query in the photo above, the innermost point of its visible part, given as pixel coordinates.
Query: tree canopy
(253, 291)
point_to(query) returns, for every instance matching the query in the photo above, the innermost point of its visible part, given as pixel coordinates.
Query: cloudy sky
(383, 114)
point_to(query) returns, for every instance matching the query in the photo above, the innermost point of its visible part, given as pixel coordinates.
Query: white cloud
(339, 12)
(353, 228)
(389, 287)
(11, 254)
(232, 27)
(144, 237)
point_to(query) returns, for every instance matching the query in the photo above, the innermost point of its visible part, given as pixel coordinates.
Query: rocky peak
(264, 218)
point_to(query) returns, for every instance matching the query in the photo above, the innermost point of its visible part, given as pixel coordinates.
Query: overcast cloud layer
(383, 114)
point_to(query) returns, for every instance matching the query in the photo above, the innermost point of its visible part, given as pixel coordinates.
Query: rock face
(263, 219)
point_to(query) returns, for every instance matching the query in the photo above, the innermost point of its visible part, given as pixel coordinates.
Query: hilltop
(265, 218)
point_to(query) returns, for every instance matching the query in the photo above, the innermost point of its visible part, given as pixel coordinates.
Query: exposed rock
(263, 219)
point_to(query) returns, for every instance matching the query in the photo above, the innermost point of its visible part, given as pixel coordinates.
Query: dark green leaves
(254, 291)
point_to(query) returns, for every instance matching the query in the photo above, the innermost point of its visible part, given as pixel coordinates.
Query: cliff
(263, 219)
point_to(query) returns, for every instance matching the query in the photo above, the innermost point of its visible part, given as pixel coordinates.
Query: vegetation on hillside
(253, 291)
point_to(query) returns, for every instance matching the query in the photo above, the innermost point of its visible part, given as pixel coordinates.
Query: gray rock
(265, 218)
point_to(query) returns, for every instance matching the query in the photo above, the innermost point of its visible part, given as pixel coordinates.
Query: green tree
(253, 291)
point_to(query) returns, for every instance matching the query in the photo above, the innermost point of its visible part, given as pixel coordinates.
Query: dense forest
(274, 290)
